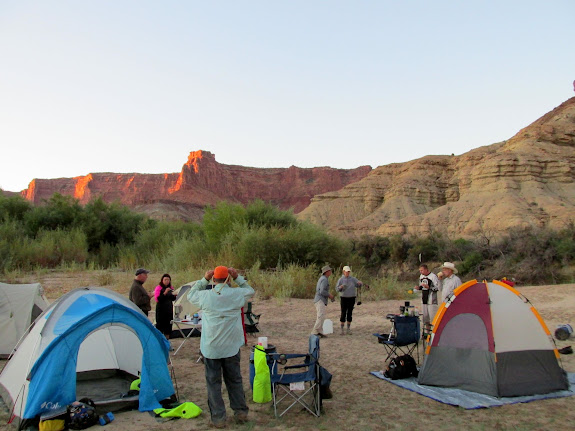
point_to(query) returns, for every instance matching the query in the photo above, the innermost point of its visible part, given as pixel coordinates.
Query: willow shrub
(303, 244)
(291, 281)
(50, 249)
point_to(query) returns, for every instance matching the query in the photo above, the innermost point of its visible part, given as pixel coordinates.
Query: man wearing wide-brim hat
(320, 300)
(450, 281)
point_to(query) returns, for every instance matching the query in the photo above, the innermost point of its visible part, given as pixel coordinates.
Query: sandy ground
(361, 401)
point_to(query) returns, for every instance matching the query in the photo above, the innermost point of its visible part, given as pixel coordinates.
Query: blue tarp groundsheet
(472, 400)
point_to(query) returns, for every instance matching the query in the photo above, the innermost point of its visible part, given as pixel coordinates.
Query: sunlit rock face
(528, 180)
(202, 181)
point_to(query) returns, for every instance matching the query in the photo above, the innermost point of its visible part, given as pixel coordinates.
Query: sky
(136, 85)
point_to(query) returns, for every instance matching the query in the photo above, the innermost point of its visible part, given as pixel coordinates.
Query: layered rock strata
(528, 180)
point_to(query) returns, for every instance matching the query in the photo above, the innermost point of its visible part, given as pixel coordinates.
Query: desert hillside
(528, 180)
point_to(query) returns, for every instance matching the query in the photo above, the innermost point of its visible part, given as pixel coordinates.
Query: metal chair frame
(404, 336)
(310, 375)
(251, 321)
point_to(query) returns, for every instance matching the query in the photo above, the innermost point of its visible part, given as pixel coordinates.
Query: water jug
(327, 327)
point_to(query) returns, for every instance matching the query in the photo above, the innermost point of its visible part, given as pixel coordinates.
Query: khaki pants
(429, 312)
(320, 309)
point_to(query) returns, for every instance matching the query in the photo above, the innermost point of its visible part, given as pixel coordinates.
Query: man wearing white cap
(451, 281)
(347, 287)
(320, 300)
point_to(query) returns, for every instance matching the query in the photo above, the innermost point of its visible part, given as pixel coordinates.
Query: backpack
(81, 414)
(401, 367)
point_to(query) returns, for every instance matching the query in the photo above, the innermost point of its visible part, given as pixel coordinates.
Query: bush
(304, 245)
(58, 212)
(220, 220)
(110, 224)
(13, 208)
(50, 249)
(261, 214)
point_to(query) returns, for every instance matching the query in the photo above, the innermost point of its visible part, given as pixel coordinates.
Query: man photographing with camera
(429, 286)
(222, 337)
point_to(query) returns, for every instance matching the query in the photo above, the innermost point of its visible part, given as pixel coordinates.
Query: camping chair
(251, 320)
(403, 337)
(299, 383)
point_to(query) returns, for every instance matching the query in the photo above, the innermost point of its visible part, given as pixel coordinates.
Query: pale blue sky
(134, 86)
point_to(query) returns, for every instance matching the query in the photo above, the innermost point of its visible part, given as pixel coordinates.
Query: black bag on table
(401, 367)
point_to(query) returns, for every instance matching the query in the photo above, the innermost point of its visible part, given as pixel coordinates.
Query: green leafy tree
(219, 221)
(110, 224)
(260, 213)
(58, 212)
(13, 208)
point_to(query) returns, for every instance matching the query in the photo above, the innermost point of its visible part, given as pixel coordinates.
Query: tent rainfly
(488, 338)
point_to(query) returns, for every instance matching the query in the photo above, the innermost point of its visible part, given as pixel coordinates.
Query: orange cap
(221, 272)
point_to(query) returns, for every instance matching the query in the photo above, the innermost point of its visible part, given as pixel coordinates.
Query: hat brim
(447, 267)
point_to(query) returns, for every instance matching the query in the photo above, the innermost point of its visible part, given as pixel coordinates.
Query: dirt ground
(361, 401)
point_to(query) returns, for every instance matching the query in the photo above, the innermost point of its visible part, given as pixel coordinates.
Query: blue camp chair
(403, 338)
(251, 320)
(306, 370)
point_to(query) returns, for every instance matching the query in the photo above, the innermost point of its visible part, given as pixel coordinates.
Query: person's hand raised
(233, 273)
(209, 274)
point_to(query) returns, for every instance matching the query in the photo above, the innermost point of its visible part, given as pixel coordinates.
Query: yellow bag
(52, 425)
(186, 410)
(262, 391)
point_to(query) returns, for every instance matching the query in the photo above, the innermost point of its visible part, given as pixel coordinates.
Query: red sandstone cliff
(202, 181)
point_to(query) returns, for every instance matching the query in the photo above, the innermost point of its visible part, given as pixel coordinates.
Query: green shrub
(13, 208)
(219, 221)
(111, 224)
(58, 212)
(262, 214)
(291, 281)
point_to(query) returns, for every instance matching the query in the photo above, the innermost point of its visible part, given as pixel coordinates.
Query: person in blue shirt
(222, 337)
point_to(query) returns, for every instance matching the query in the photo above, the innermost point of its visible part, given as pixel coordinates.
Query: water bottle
(196, 318)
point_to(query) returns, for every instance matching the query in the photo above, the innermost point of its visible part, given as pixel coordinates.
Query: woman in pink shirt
(164, 296)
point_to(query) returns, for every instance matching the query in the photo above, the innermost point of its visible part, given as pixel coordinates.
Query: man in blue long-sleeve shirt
(222, 337)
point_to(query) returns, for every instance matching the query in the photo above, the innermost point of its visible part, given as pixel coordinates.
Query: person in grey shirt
(347, 287)
(320, 300)
(451, 281)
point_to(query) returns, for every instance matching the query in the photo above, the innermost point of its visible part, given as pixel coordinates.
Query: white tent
(183, 307)
(93, 343)
(20, 305)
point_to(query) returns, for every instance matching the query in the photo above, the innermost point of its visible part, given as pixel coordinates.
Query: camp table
(185, 323)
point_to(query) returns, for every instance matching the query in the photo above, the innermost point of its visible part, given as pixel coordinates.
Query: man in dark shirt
(139, 295)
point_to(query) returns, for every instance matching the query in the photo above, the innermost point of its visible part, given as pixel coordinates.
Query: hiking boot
(342, 333)
(348, 331)
(221, 424)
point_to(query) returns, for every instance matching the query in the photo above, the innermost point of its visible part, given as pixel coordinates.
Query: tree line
(63, 233)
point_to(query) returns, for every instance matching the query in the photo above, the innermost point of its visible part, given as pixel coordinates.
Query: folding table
(184, 324)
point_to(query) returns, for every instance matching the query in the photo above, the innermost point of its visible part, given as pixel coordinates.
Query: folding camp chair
(299, 383)
(251, 320)
(403, 337)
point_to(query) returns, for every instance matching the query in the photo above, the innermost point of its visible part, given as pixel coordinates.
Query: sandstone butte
(528, 180)
(202, 181)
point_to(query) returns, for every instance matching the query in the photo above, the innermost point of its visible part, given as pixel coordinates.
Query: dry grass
(361, 401)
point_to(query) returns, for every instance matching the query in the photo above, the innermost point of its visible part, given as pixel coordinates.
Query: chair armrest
(309, 364)
(276, 356)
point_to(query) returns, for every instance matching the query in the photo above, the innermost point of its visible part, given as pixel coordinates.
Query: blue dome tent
(84, 342)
